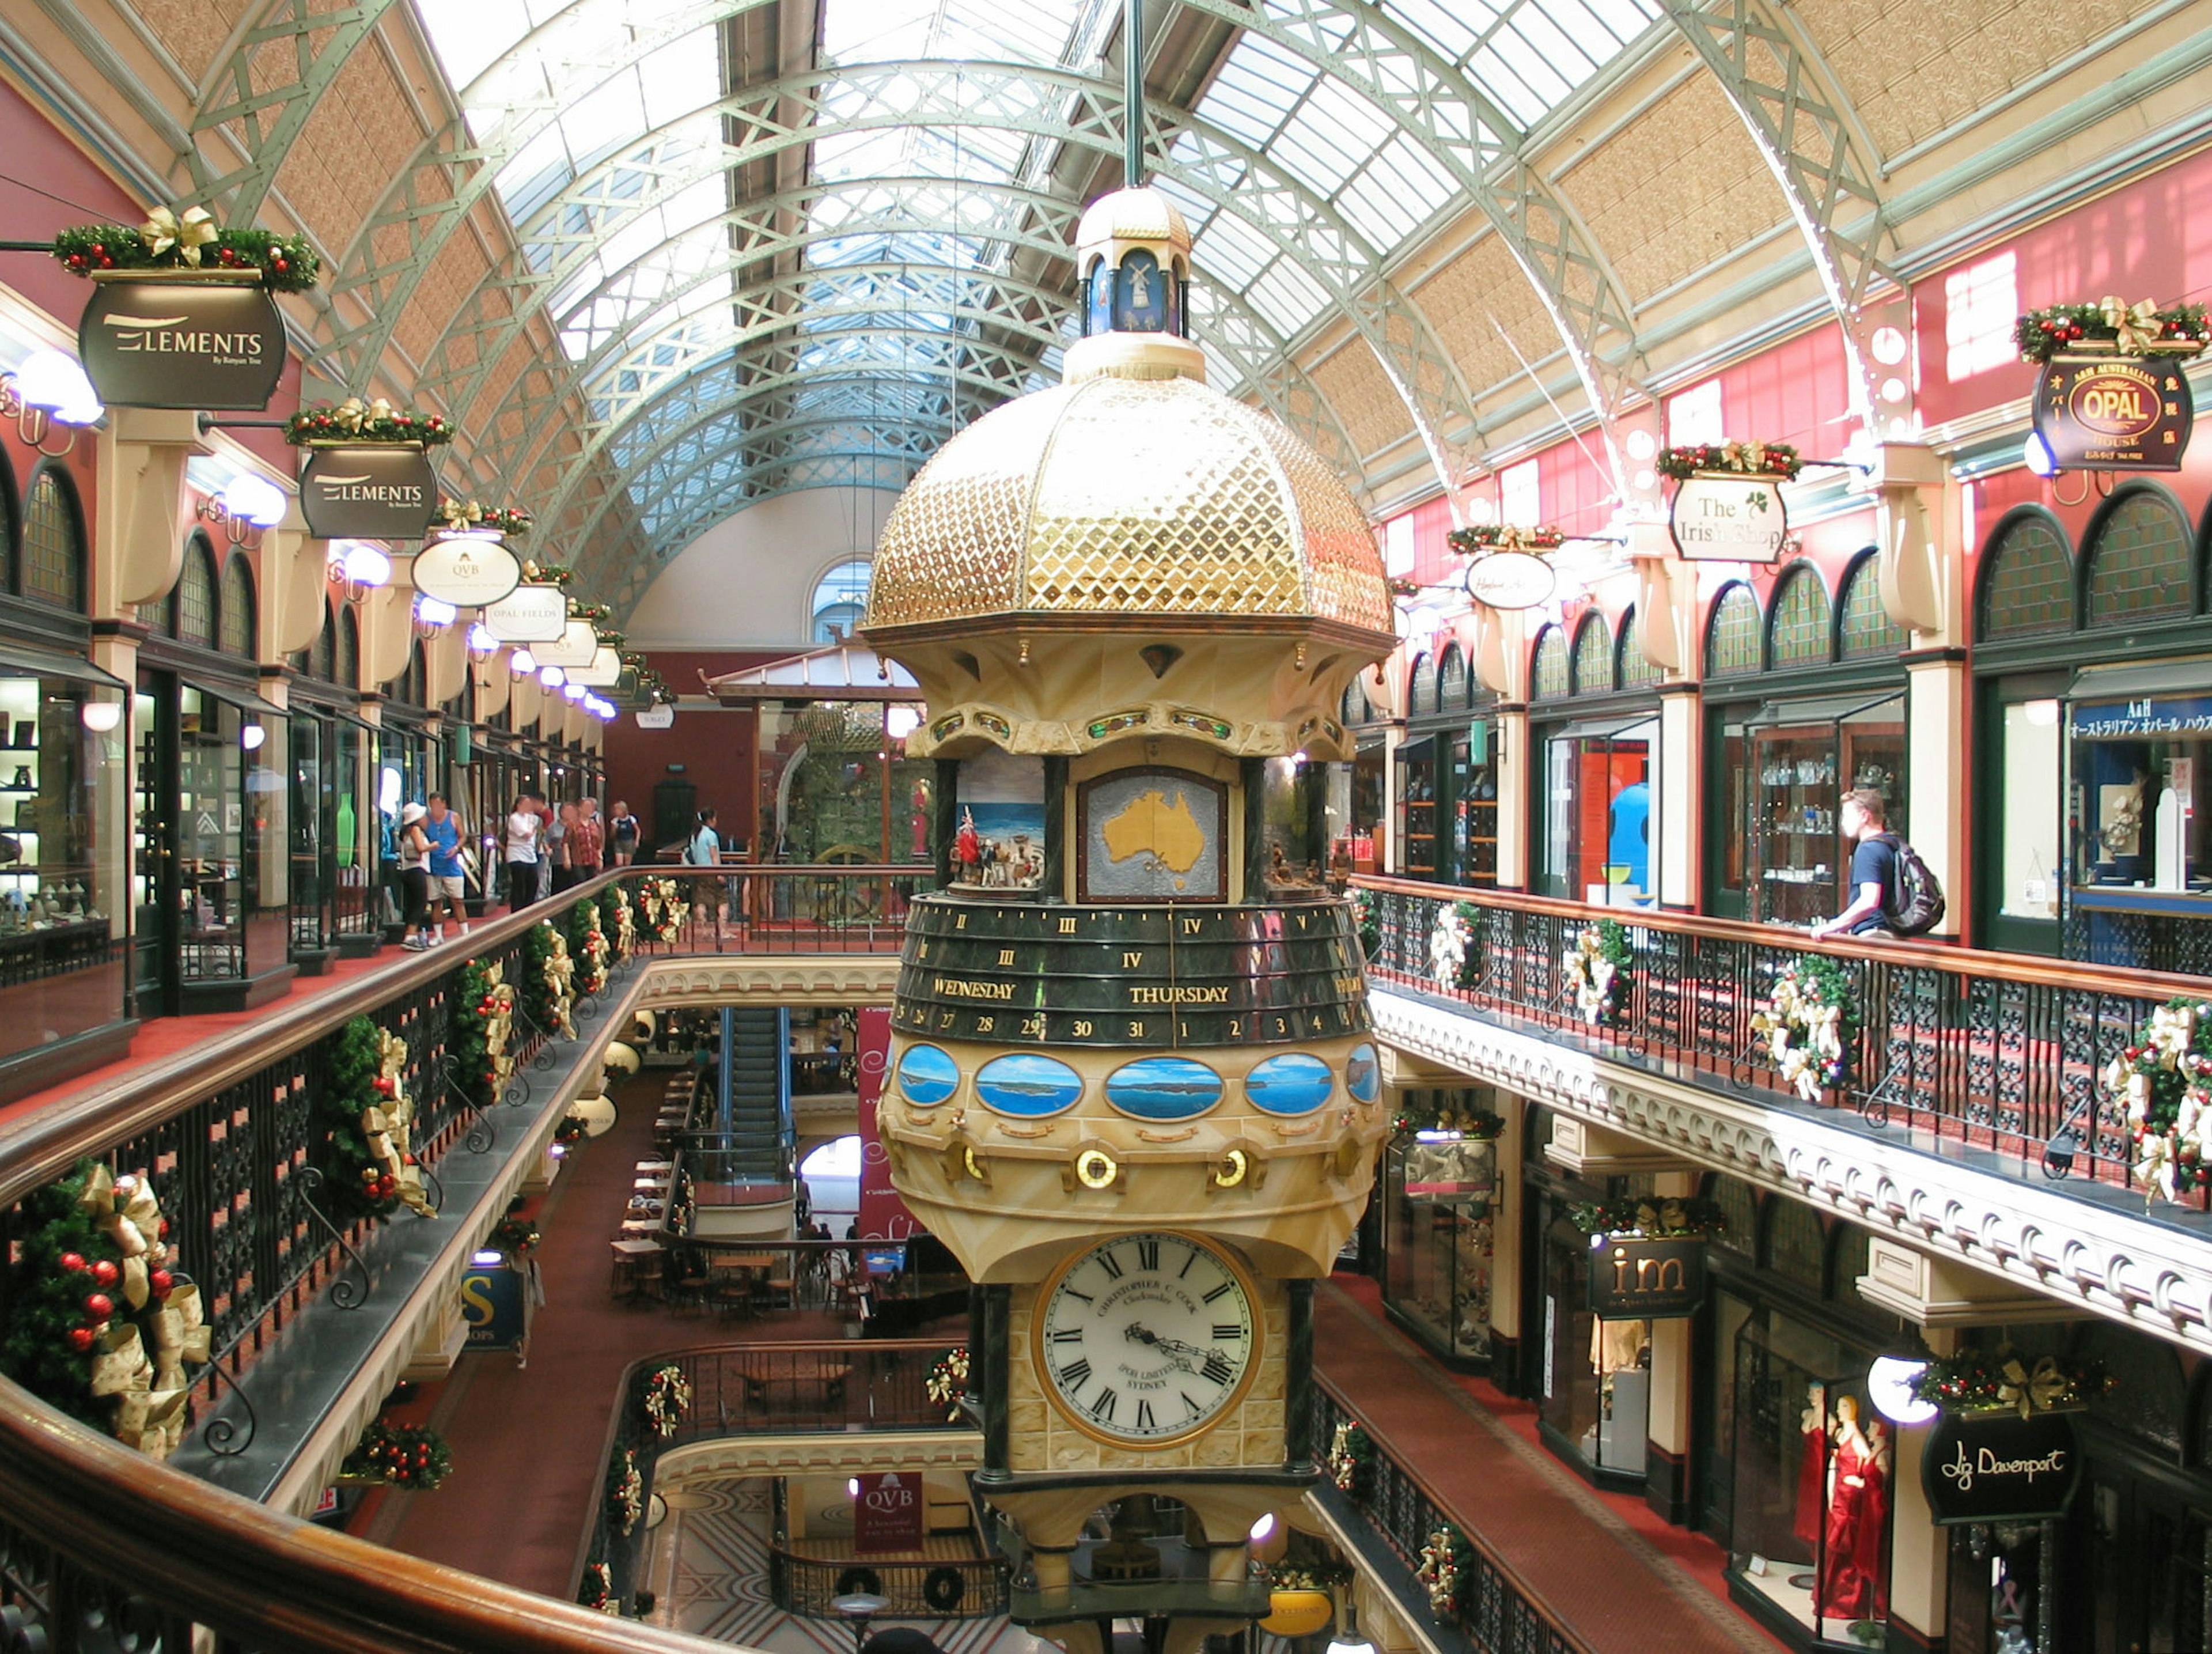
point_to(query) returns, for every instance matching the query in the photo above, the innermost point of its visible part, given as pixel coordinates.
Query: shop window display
(1793, 761)
(1440, 1197)
(835, 784)
(1597, 1374)
(1599, 778)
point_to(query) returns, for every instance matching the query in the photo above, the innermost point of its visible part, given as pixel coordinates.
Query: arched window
(1593, 656)
(196, 594)
(1865, 630)
(840, 599)
(347, 660)
(53, 541)
(2027, 580)
(1799, 628)
(322, 653)
(1731, 634)
(2138, 558)
(409, 689)
(1548, 676)
(10, 547)
(1451, 680)
(1357, 708)
(1635, 670)
(1422, 699)
(238, 609)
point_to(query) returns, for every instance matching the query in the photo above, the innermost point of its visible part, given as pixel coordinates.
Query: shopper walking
(556, 848)
(586, 841)
(413, 859)
(623, 834)
(441, 829)
(705, 850)
(521, 852)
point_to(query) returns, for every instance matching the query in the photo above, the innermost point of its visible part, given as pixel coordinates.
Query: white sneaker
(415, 944)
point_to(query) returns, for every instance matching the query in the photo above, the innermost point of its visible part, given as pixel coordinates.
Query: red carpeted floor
(1623, 1580)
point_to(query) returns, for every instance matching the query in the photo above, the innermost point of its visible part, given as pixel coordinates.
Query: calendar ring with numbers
(1147, 1339)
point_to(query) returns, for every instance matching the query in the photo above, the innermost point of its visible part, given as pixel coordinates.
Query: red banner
(883, 1216)
(887, 1515)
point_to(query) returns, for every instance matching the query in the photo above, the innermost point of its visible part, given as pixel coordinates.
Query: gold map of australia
(1149, 825)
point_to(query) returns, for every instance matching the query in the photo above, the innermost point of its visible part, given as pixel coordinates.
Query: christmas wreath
(1775, 459)
(1447, 1561)
(1597, 969)
(662, 903)
(598, 1591)
(1484, 538)
(617, 922)
(398, 1456)
(2141, 329)
(356, 420)
(514, 1236)
(570, 1130)
(2163, 1085)
(1368, 922)
(1810, 1026)
(587, 948)
(98, 1323)
(189, 239)
(2003, 1381)
(482, 1032)
(1351, 1463)
(666, 1399)
(625, 1493)
(1661, 1218)
(364, 1115)
(1442, 1115)
(1452, 943)
(548, 974)
(948, 1382)
(460, 516)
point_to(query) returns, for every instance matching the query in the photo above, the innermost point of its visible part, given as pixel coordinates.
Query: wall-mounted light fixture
(49, 389)
(433, 615)
(359, 567)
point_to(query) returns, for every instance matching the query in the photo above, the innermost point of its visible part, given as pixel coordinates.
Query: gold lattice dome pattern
(1133, 215)
(1128, 497)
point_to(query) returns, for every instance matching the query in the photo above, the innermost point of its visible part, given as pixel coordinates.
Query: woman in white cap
(414, 877)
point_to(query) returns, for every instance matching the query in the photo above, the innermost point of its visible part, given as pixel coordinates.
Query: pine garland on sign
(1661, 1218)
(1775, 459)
(2141, 329)
(398, 1456)
(2003, 1381)
(459, 516)
(190, 241)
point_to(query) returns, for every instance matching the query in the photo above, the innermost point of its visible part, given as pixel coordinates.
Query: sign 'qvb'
(207, 344)
(367, 491)
(467, 570)
(1726, 517)
(1634, 1279)
(2000, 1467)
(2108, 413)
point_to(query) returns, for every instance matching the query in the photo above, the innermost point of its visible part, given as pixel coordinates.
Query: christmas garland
(1811, 1024)
(190, 241)
(482, 1031)
(1661, 1217)
(459, 516)
(570, 1130)
(1351, 1458)
(362, 1114)
(616, 921)
(98, 1324)
(547, 975)
(1452, 943)
(1775, 459)
(662, 903)
(626, 1494)
(1478, 1123)
(1368, 922)
(1484, 538)
(948, 1382)
(356, 420)
(1308, 1576)
(2003, 1381)
(398, 1456)
(666, 1398)
(513, 1235)
(1447, 1561)
(2162, 1083)
(547, 574)
(1597, 967)
(598, 1591)
(587, 947)
(2141, 329)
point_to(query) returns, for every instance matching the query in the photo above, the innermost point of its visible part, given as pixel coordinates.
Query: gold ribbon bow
(460, 514)
(353, 413)
(2136, 325)
(1744, 456)
(2032, 1390)
(187, 233)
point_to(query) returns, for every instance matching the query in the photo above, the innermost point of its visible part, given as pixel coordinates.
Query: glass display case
(1597, 1374)
(1599, 778)
(2139, 855)
(1798, 759)
(1472, 789)
(1440, 1208)
(1417, 809)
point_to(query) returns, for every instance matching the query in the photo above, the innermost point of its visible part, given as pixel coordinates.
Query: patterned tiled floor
(708, 1563)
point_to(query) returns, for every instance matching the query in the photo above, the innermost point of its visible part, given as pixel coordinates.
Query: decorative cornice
(2085, 1254)
(839, 1453)
(852, 979)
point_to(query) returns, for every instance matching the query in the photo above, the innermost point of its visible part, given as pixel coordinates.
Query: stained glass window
(1357, 708)
(1638, 670)
(348, 659)
(1451, 680)
(322, 654)
(1795, 1245)
(1740, 1208)
(195, 594)
(53, 542)
(1868, 630)
(1800, 623)
(2139, 561)
(1423, 698)
(1549, 675)
(1732, 636)
(238, 615)
(2027, 589)
(1593, 656)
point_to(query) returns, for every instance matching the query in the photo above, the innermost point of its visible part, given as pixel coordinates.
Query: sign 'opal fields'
(205, 343)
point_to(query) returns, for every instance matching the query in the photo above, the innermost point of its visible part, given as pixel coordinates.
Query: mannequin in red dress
(1811, 1497)
(1850, 1584)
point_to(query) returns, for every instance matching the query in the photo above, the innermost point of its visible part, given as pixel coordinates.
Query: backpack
(1918, 905)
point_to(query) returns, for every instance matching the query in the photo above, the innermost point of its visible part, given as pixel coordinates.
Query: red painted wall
(713, 744)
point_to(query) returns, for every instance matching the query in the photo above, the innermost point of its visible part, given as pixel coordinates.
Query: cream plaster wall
(748, 582)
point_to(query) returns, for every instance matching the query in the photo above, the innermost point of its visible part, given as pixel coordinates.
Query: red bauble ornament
(99, 1306)
(97, 248)
(80, 1339)
(383, 1087)
(163, 1282)
(105, 1273)
(72, 1262)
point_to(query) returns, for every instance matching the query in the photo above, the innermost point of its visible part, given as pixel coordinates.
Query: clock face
(1147, 1339)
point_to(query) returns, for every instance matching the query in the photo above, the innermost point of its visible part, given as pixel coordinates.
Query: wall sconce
(433, 615)
(49, 389)
(247, 505)
(571, 692)
(101, 717)
(551, 676)
(360, 566)
(250, 736)
(482, 644)
(522, 663)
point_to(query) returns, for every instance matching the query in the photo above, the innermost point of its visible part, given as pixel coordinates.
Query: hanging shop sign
(528, 614)
(494, 1308)
(467, 570)
(1999, 1468)
(2143, 720)
(1727, 517)
(1510, 580)
(887, 1514)
(215, 342)
(2114, 413)
(1632, 1279)
(367, 491)
(659, 717)
(604, 671)
(574, 650)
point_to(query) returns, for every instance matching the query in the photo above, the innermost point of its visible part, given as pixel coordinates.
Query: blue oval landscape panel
(926, 1076)
(1363, 1074)
(1296, 1084)
(1163, 1088)
(1028, 1086)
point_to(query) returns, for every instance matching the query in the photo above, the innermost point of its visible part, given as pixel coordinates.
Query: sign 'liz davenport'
(180, 344)
(1999, 1468)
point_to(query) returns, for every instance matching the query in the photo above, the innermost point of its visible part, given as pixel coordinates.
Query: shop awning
(1598, 729)
(1421, 751)
(244, 700)
(2137, 680)
(1822, 709)
(56, 663)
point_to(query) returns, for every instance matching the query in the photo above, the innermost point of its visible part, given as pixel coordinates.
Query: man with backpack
(1893, 894)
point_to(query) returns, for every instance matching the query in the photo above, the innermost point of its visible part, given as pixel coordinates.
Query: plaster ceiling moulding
(529, 614)
(574, 650)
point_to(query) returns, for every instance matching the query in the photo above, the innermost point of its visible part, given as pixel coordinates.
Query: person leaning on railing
(1874, 871)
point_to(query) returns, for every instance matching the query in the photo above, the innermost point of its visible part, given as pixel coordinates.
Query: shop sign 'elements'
(1729, 518)
(1999, 1468)
(467, 570)
(2099, 413)
(1510, 579)
(373, 491)
(1632, 1279)
(528, 614)
(207, 343)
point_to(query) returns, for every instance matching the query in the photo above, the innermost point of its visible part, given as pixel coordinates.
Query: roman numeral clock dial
(1147, 1339)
